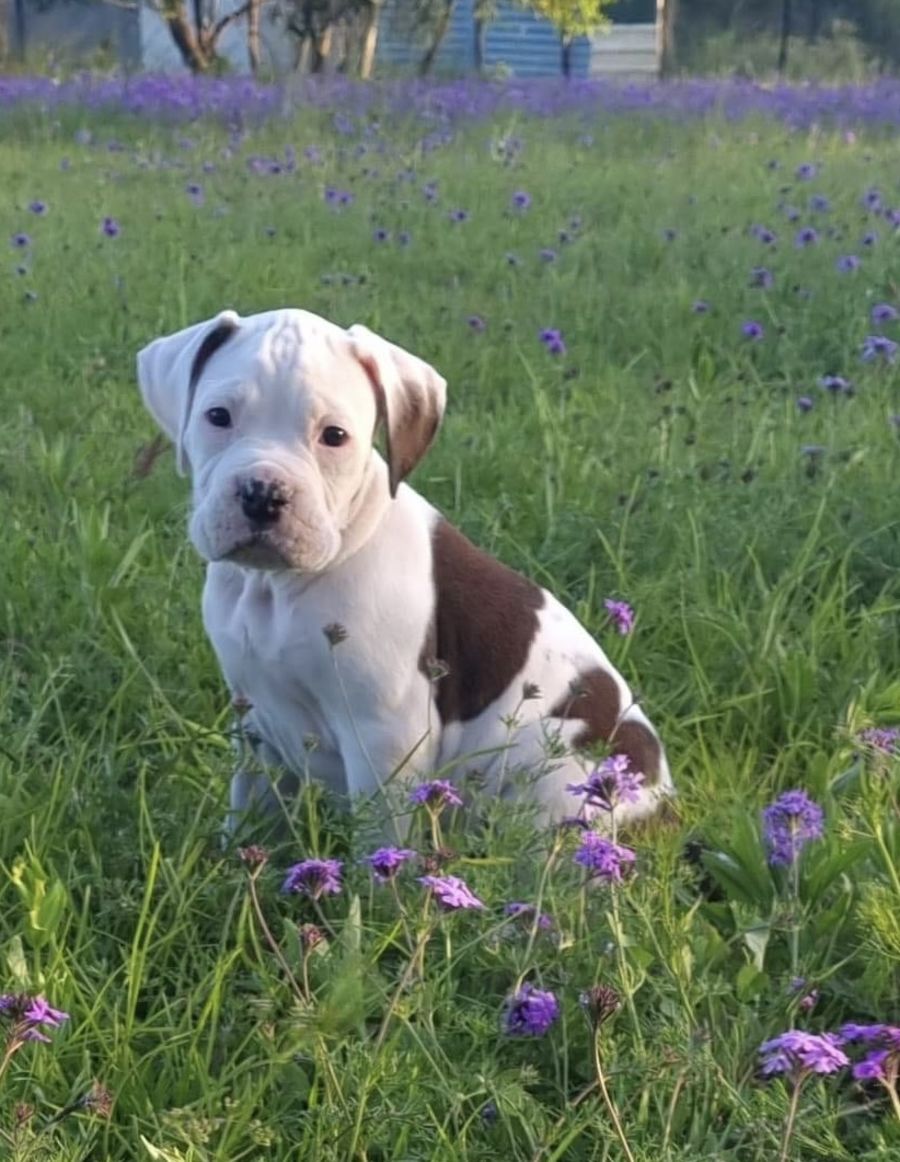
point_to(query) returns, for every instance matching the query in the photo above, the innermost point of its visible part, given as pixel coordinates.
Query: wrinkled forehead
(294, 357)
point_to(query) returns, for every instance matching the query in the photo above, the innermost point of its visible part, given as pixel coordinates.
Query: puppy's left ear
(168, 370)
(410, 397)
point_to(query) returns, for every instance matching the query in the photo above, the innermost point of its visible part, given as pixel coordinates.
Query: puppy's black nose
(261, 502)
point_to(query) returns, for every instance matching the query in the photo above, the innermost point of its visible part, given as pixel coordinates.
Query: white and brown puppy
(448, 660)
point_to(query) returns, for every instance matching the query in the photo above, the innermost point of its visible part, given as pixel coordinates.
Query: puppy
(342, 606)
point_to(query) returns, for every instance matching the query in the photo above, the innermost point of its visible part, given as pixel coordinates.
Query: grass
(663, 460)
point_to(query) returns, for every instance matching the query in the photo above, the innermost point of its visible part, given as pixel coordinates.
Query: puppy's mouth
(257, 552)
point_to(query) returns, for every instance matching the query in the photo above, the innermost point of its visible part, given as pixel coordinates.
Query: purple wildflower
(520, 911)
(752, 330)
(110, 227)
(29, 1016)
(380, 235)
(314, 878)
(195, 193)
(871, 200)
(529, 1012)
(807, 171)
(808, 236)
(437, 793)
(700, 306)
(37, 207)
(547, 254)
(847, 263)
(669, 234)
(819, 204)
(763, 234)
(451, 892)
(611, 783)
(604, 859)
(873, 1066)
(835, 384)
(20, 241)
(789, 823)
(760, 276)
(878, 347)
(884, 313)
(881, 738)
(404, 238)
(553, 341)
(621, 614)
(521, 200)
(387, 861)
(459, 215)
(805, 403)
(798, 1053)
(476, 323)
(883, 1043)
(870, 238)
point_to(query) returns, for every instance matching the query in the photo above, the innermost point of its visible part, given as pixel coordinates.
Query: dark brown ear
(410, 396)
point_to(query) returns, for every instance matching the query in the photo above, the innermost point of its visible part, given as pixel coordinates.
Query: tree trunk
(785, 36)
(666, 20)
(441, 28)
(186, 39)
(369, 36)
(478, 45)
(566, 56)
(253, 51)
(321, 50)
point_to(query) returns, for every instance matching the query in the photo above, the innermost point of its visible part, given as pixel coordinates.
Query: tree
(572, 18)
(196, 35)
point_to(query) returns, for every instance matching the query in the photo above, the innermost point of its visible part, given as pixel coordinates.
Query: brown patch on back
(594, 698)
(484, 623)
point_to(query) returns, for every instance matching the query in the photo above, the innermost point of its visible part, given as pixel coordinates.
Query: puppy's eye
(219, 417)
(334, 437)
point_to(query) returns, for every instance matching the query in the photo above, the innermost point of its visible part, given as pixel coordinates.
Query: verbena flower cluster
(789, 824)
(26, 1017)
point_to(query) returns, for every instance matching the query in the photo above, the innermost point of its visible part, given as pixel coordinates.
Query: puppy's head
(274, 417)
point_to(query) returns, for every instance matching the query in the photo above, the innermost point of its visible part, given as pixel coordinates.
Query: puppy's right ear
(168, 370)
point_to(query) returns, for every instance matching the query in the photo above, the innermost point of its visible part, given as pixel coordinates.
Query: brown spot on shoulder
(485, 620)
(594, 698)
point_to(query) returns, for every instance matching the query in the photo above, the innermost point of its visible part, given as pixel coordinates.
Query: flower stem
(608, 1101)
(791, 1119)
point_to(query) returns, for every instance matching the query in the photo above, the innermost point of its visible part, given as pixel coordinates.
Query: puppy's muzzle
(262, 502)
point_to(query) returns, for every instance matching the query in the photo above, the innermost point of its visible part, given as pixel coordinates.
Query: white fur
(357, 713)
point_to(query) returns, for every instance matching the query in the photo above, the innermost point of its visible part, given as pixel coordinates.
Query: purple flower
(611, 783)
(110, 227)
(873, 1066)
(700, 307)
(835, 383)
(547, 255)
(451, 892)
(520, 911)
(476, 323)
(29, 1015)
(404, 238)
(37, 207)
(871, 200)
(195, 193)
(387, 861)
(870, 239)
(669, 234)
(752, 330)
(884, 313)
(437, 793)
(807, 171)
(529, 1012)
(805, 403)
(20, 241)
(798, 1053)
(604, 859)
(39, 1012)
(314, 878)
(380, 235)
(847, 263)
(808, 236)
(789, 823)
(882, 738)
(458, 215)
(819, 204)
(553, 341)
(883, 1042)
(766, 236)
(762, 277)
(878, 347)
(521, 200)
(621, 615)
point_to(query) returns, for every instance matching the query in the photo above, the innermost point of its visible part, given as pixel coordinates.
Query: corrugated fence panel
(631, 49)
(525, 43)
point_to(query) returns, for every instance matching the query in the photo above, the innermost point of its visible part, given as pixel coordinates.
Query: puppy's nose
(261, 502)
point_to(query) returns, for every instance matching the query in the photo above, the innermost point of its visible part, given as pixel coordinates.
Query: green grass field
(663, 460)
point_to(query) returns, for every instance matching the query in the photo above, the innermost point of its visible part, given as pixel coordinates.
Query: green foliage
(572, 17)
(662, 460)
